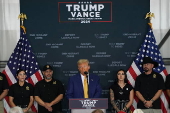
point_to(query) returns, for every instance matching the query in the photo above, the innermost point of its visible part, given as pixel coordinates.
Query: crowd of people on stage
(49, 92)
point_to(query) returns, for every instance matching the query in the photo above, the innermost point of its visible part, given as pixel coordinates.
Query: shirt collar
(82, 76)
(49, 81)
(23, 85)
(149, 74)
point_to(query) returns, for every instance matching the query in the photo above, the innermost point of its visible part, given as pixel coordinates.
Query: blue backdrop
(108, 33)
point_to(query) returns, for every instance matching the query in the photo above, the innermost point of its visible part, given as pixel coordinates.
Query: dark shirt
(121, 93)
(148, 85)
(48, 91)
(167, 85)
(21, 94)
(167, 82)
(3, 83)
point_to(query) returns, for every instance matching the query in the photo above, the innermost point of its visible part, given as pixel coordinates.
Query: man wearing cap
(148, 87)
(3, 89)
(84, 85)
(49, 92)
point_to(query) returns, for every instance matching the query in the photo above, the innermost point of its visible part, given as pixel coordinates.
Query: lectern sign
(93, 103)
(88, 104)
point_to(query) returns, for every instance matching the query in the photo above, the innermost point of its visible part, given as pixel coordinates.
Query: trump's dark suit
(75, 87)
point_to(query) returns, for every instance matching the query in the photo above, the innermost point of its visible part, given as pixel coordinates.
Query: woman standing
(21, 93)
(121, 93)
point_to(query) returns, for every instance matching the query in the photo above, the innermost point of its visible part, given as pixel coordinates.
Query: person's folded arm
(3, 94)
(39, 100)
(30, 104)
(57, 99)
(11, 103)
(131, 98)
(168, 92)
(112, 101)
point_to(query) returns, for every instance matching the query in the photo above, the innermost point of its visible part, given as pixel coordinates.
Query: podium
(87, 105)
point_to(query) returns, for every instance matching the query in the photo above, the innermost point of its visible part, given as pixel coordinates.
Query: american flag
(22, 58)
(150, 49)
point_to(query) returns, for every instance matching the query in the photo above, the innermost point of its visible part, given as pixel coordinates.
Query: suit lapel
(91, 81)
(79, 82)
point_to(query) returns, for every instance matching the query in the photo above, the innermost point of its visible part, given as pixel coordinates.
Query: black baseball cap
(47, 67)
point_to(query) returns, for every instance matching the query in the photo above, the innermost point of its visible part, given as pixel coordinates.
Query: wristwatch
(152, 100)
(144, 102)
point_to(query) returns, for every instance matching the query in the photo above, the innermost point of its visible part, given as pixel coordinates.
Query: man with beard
(148, 87)
(49, 92)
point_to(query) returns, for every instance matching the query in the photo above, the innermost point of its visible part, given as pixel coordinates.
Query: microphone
(86, 73)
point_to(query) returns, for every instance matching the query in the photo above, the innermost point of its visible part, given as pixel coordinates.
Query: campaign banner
(85, 12)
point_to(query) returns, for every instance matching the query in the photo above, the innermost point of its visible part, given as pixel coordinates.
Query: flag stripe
(163, 107)
(6, 104)
(136, 70)
(39, 75)
(132, 72)
(10, 77)
(34, 79)
(33, 108)
(29, 80)
(165, 101)
(130, 78)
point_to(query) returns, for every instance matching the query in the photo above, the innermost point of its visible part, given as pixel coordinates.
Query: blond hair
(82, 61)
(97, 111)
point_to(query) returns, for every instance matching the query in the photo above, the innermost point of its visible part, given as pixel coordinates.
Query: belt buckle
(22, 106)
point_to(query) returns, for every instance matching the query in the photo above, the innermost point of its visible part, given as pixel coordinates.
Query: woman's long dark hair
(116, 79)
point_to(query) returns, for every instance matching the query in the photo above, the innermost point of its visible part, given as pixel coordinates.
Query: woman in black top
(21, 93)
(121, 93)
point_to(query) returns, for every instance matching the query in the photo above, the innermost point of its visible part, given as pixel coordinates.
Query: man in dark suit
(77, 83)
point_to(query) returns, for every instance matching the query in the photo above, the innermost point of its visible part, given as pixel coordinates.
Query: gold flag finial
(150, 15)
(22, 16)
